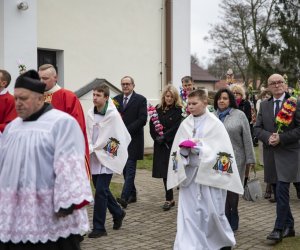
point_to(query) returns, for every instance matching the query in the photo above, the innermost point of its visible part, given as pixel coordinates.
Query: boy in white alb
(202, 163)
(108, 141)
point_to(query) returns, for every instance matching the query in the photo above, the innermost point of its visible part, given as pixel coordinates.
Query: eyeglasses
(273, 83)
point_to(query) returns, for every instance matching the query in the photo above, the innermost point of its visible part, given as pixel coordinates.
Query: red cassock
(7, 110)
(68, 102)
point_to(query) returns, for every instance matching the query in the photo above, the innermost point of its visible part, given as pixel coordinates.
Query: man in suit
(281, 155)
(133, 109)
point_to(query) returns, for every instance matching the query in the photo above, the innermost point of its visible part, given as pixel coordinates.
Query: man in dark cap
(43, 183)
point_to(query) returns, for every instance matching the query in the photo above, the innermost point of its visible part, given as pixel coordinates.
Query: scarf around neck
(223, 114)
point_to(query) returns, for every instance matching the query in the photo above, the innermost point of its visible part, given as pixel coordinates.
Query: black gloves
(160, 139)
(62, 212)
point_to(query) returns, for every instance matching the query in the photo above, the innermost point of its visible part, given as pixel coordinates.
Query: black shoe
(272, 200)
(168, 204)
(288, 232)
(122, 202)
(81, 238)
(132, 199)
(267, 195)
(118, 222)
(226, 248)
(275, 235)
(97, 234)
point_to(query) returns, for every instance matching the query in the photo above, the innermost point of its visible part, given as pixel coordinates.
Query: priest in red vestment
(7, 101)
(64, 100)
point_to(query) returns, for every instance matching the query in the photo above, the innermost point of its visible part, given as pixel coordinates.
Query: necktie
(125, 102)
(277, 108)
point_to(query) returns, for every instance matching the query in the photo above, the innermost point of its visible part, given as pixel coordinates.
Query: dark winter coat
(245, 106)
(281, 163)
(170, 119)
(135, 118)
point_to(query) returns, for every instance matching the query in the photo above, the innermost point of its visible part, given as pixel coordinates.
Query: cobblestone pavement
(147, 226)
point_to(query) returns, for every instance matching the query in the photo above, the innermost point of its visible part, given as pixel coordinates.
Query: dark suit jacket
(282, 161)
(135, 118)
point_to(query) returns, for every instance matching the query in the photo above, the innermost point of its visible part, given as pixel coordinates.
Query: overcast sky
(203, 14)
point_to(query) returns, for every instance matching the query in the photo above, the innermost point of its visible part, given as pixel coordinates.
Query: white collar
(128, 97)
(4, 91)
(281, 98)
(54, 89)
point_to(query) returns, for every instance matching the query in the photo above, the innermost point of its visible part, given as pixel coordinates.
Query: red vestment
(67, 101)
(7, 110)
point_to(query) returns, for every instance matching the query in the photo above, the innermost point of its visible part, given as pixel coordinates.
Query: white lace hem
(28, 216)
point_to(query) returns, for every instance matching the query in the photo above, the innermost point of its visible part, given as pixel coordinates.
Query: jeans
(103, 200)
(129, 176)
(284, 217)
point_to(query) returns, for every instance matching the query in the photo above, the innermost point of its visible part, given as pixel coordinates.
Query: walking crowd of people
(51, 154)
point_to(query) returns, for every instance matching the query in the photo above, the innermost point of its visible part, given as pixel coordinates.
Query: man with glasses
(133, 109)
(281, 155)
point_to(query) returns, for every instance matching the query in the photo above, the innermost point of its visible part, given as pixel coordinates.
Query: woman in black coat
(169, 115)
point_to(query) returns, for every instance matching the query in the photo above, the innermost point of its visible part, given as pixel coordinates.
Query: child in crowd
(203, 164)
(108, 141)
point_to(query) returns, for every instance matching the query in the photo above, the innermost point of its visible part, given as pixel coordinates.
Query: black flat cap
(30, 80)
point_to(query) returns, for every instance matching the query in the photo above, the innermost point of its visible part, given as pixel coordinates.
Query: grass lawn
(115, 188)
(146, 163)
(258, 165)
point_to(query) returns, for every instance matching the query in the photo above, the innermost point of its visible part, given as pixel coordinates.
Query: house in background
(202, 79)
(221, 84)
(99, 39)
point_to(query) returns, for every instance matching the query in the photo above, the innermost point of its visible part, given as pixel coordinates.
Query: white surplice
(111, 129)
(42, 169)
(214, 142)
(201, 220)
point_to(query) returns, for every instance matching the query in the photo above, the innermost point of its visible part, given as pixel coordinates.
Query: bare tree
(245, 34)
(194, 59)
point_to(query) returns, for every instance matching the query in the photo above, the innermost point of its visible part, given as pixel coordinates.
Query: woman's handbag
(252, 191)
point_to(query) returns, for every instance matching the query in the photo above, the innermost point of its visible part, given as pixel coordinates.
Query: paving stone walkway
(147, 226)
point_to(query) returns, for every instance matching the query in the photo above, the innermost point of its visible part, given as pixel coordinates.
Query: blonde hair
(238, 89)
(48, 66)
(174, 92)
(200, 93)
